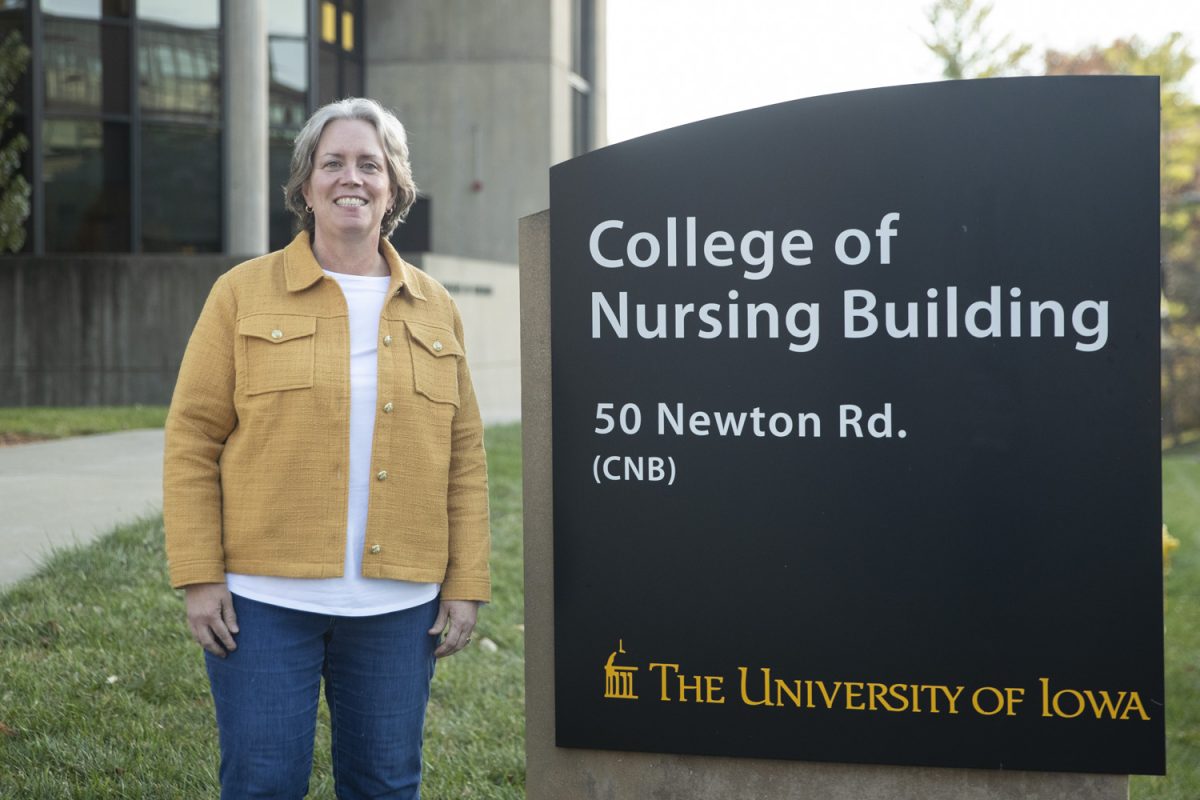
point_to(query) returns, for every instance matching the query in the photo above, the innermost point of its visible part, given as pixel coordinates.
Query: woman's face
(349, 189)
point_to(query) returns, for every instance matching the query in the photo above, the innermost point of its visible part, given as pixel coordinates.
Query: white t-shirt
(351, 595)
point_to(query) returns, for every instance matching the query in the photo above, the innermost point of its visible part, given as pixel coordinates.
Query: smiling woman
(350, 187)
(356, 152)
(315, 538)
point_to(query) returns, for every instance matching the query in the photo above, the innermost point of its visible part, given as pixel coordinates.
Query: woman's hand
(456, 618)
(211, 617)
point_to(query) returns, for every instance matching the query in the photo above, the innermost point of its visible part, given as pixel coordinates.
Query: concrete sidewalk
(69, 491)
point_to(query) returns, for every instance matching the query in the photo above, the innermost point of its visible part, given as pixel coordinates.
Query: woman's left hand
(456, 618)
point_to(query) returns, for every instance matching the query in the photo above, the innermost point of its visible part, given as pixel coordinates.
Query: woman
(325, 490)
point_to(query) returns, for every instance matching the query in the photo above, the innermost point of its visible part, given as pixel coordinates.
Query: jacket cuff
(189, 572)
(467, 588)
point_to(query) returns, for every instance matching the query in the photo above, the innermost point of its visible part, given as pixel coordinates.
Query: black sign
(856, 431)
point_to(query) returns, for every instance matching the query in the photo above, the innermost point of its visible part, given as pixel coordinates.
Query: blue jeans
(377, 671)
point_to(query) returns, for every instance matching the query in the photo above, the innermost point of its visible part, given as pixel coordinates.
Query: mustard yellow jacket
(257, 438)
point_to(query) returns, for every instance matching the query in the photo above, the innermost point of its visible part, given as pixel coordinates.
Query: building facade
(159, 131)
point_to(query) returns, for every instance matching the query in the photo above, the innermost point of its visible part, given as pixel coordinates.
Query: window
(179, 125)
(85, 167)
(181, 197)
(85, 140)
(86, 9)
(106, 99)
(126, 143)
(85, 66)
(179, 73)
(287, 35)
(339, 56)
(582, 75)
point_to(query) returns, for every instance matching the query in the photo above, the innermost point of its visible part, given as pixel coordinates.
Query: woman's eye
(370, 166)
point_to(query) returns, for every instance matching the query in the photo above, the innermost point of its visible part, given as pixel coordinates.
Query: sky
(677, 61)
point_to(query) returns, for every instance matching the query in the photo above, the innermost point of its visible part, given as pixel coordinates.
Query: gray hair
(395, 152)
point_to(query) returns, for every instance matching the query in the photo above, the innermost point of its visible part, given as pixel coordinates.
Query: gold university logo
(618, 679)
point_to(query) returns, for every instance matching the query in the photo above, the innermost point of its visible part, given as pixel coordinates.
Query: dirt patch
(8, 438)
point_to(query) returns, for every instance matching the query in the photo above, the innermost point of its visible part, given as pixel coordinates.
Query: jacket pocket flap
(277, 328)
(437, 341)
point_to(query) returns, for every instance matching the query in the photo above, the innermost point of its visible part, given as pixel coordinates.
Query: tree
(1180, 193)
(961, 41)
(14, 189)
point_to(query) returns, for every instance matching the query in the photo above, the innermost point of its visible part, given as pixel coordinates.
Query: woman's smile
(349, 174)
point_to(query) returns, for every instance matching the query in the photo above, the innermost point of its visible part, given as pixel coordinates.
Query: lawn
(30, 423)
(1181, 512)
(103, 694)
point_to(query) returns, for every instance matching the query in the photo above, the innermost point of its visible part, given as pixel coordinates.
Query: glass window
(87, 9)
(86, 66)
(328, 22)
(181, 188)
(287, 47)
(352, 79)
(582, 14)
(279, 166)
(288, 62)
(287, 17)
(85, 169)
(347, 31)
(327, 76)
(581, 24)
(90, 9)
(179, 73)
(581, 122)
(287, 27)
(413, 235)
(182, 13)
(289, 82)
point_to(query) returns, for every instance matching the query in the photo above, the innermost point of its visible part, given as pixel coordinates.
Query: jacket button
(381, 475)
(277, 334)
(376, 549)
(437, 346)
(387, 341)
(387, 408)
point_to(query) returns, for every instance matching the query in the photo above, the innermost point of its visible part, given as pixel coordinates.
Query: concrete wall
(96, 329)
(487, 294)
(111, 330)
(483, 91)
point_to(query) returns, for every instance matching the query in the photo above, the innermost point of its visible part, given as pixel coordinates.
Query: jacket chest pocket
(278, 351)
(435, 354)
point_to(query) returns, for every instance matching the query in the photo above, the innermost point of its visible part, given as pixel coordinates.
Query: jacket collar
(301, 269)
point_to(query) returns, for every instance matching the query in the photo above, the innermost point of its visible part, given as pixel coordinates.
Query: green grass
(1188, 447)
(103, 693)
(1181, 513)
(52, 423)
(106, 611)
